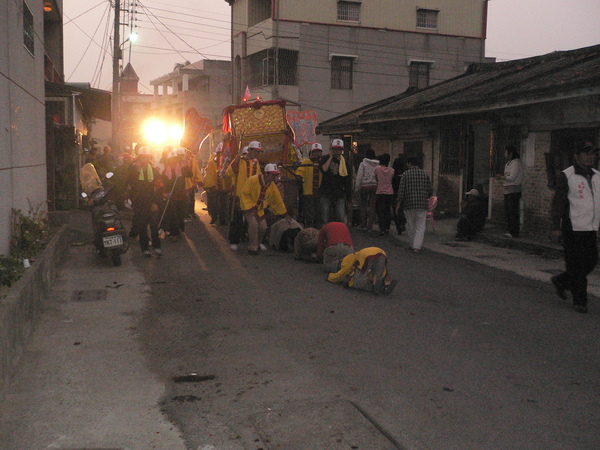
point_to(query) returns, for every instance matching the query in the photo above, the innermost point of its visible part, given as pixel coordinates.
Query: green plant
(11, 269)
(29, 234)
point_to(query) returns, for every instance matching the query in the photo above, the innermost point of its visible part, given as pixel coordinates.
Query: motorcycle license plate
(112, 241)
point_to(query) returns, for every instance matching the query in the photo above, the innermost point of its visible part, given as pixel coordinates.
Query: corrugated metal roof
(488, 86)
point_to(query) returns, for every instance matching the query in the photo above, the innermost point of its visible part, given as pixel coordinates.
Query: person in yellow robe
(311, 180)
(244, 166)
(261, 192)
(365, 269)
(217, 188)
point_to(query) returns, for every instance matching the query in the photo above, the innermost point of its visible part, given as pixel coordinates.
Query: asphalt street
(205, 348)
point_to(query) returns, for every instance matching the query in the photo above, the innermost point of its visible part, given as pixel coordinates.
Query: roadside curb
(22, 307)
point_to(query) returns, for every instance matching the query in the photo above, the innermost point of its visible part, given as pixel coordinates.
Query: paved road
(462, 355)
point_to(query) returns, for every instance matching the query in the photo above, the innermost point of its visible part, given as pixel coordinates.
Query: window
(418, 76)
(261, 67)
(267, 70)
(348, 11)
(427, 18)
(341, 72)
(28, 31)
(200, 84)
(258, 11)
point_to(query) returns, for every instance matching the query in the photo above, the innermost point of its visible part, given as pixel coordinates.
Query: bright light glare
(154, 132)
(133, 37)
(176, 133)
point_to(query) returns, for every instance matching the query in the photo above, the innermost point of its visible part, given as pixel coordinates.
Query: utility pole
(116, 98)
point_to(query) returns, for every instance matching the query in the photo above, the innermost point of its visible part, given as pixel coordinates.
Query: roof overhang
(95, 102)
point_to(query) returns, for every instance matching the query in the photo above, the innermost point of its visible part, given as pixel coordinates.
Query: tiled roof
(488, 86)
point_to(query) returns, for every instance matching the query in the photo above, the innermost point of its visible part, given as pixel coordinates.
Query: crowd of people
(244, 196)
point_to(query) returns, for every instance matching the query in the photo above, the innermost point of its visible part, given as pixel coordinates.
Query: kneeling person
(365, 269)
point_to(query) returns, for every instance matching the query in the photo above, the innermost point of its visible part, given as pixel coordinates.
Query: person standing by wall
(413, 197)
(513, 179)
(336, 184)
(576, 218)
(366, 186)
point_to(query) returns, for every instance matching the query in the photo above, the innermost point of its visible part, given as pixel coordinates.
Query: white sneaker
(158, 251)
(263, 247)
(233, 247)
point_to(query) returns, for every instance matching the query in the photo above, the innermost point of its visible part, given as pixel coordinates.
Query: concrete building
(30, 53)
(335, 56)
(204, 85)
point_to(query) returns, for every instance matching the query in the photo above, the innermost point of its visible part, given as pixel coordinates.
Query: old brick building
(459, 128)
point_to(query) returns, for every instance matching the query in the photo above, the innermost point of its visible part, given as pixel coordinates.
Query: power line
(86, 49)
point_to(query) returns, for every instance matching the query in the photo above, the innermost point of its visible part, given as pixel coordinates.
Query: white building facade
(22, 111)
(204, 85)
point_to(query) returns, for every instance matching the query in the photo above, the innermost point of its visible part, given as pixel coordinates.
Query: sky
(199, 29)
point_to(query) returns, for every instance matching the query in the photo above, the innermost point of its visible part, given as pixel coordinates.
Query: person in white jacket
(576, 219)
(366, 186)
(513, 180)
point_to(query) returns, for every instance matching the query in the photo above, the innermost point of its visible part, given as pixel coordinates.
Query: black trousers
(144, 218)
(384, 211)
(511, 208)
(581, 256)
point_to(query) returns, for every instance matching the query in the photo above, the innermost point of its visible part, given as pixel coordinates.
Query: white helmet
(337, 143)
(272, 169)
(255, 145)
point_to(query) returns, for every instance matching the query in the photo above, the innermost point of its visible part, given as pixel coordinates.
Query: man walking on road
(576, 217)
(413, 197)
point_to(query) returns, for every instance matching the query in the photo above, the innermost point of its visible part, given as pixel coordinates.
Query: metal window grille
(427, 18)
(348, 11)
(341, 72)
(450, 149)
(28, 30)
(288, 65)
(418, 76)
(259, 10)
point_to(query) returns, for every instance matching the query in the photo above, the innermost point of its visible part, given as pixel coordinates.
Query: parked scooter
(110, 237)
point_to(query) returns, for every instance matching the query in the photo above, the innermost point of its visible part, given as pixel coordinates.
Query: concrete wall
(455, 17)
(22, 116)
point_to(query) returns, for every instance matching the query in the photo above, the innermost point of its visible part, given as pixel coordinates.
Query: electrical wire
(86, 49)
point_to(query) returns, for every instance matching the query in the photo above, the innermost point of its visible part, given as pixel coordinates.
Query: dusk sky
(198, 29)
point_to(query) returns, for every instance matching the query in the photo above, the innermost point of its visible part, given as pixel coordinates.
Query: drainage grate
(89, 296)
